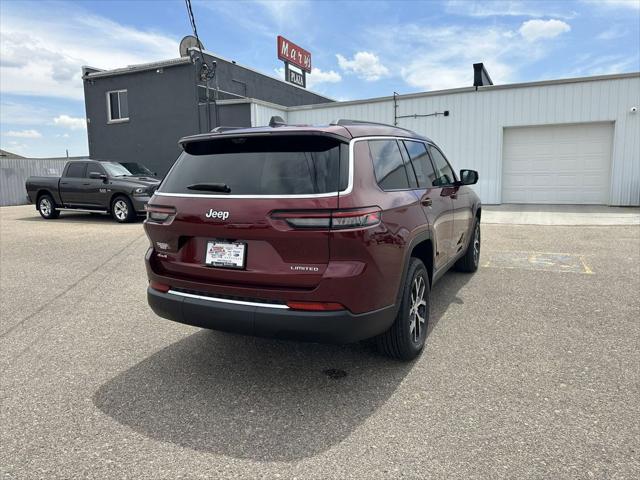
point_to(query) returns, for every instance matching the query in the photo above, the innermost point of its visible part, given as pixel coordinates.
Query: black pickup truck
(94, 186)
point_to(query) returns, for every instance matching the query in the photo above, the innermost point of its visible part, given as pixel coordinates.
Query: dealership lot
(530, 369)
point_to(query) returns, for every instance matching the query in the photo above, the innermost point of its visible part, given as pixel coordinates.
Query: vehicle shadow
(445, 293)
(258, 399)
(74, 217)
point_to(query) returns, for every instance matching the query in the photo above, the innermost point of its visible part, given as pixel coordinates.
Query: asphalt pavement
(531, 370)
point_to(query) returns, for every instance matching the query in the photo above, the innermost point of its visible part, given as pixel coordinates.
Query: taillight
(331, 219)
(160, 214)
(315, 306)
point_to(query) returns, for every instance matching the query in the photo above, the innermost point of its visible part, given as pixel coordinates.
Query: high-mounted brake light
(331, 219)
(160, 214)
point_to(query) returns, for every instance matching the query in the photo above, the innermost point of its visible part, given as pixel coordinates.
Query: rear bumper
(266, 321)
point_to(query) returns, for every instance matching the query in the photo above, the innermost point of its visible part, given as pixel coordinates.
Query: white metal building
(573, 141)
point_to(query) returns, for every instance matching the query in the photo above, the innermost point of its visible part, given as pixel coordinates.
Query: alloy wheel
(45, 207)
(121, 210)
(476, 245)
(418, 309)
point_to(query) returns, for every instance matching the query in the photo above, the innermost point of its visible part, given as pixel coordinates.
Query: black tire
(47, 207)
(122, 209)
(401, 341)
(471, 259)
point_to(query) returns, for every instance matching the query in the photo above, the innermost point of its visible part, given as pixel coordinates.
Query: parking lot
(531, 369)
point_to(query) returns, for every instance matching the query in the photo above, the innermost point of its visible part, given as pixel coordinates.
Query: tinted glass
(276, 165)
(124, 105)
(113, 105)
(444, 173)
(421, 164)
(136, 168)
(388, 165)
(116, 169)
(76, 170)
(93, 167)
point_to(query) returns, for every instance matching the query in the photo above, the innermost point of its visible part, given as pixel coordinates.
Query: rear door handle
(426, 202)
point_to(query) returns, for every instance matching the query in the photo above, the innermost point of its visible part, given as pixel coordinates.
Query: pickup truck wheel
(406, 337)
(47, 208)
(471, 259)
(122, 210)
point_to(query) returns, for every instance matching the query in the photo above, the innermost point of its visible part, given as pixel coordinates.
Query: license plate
(225, 254)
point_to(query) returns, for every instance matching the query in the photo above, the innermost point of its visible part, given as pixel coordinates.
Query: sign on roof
(291, 53)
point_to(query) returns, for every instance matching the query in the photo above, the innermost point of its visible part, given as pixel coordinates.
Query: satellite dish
(189, 42)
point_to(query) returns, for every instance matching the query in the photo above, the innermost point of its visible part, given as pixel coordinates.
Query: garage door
(557, 164)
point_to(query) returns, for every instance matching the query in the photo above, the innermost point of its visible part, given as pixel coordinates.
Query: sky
(359, 49)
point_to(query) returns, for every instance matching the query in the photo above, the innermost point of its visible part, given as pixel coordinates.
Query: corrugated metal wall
(262, 113)
(472, 135)
(14, 173)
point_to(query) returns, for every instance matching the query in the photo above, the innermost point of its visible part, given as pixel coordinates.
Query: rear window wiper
(210, 187)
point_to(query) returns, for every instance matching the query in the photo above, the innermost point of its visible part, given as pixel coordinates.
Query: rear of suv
(332, 233)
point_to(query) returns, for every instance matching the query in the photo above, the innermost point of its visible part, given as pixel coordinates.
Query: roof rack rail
(223, 128)
(345, 122)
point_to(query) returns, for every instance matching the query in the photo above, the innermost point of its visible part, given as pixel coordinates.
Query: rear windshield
(274, 165)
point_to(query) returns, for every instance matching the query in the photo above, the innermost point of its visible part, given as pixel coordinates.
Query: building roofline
(257, 101)
(99, 73)
(595, 78)
(213, 54)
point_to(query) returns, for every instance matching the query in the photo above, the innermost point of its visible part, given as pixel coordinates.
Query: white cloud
(611, 33)
(533, 30)
(42, 54)
(442, 57)
(365, 65)
(23, 134)
(505, 8)
(316, 77)
(74, 123)
(632, 4)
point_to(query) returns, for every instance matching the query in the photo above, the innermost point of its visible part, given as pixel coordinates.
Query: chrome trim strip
(225, 300)
(199, 195)
(309, 195)
(347, 191)
(88, 210)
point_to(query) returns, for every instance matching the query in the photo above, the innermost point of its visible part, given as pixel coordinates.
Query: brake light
(316, 306)
(160, 214)
(331, 219)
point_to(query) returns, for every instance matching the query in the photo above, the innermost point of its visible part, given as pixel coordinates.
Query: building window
(117, 106)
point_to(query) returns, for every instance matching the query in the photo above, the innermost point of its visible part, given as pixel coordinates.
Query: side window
(421, 163)
(93, 167)
(444, 173)
(388, 165)
(76, 170)
(117, 106)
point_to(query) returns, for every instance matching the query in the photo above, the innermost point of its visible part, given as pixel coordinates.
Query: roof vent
(276, 121)
(480, 76)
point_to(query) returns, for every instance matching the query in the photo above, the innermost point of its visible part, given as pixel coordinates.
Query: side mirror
(97, 176)
(468, 177)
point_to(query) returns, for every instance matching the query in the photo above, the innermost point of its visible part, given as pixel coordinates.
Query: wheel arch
(45, 191)
(116, 195)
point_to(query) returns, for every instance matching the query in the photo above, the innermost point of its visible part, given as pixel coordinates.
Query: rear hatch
(247, 211)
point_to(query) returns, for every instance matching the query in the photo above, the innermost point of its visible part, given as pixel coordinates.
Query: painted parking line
(541, 261)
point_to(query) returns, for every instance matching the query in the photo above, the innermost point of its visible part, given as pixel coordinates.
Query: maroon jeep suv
(329, 233)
